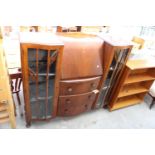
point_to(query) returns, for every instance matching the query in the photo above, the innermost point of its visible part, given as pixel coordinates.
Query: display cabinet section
(41, 97)
(117, 64)
(41, 64)
(38, 61)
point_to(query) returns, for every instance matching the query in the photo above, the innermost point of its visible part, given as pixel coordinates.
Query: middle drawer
(72, 87)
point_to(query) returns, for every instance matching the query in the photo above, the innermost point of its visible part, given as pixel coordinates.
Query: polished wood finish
(82, 55)
(80, 73)
(45, 42)
(70, 105)
(6, 101)
(111, 47)
(71, 87)
(82, 70)
(135, 82)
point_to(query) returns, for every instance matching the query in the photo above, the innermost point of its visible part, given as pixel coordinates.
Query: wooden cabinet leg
(28, 124)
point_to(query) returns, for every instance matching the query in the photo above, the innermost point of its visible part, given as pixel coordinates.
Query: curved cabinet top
(82, 55)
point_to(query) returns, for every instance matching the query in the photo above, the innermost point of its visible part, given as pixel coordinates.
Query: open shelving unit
(137, 78)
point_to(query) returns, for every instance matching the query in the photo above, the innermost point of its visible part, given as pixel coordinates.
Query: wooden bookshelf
(137, 78)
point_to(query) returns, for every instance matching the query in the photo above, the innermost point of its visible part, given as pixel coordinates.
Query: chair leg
(18, 98)
(19, 103)
(151, 105)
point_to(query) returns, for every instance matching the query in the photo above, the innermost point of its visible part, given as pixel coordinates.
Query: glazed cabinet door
(41, 81)
(115, 69)
(41, 74)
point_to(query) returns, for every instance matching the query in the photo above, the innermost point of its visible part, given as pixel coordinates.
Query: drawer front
(72, 87)
(75, 104)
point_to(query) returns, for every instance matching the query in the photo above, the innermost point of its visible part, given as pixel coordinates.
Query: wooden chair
(139, 41)
(16, 80)
(152, 94)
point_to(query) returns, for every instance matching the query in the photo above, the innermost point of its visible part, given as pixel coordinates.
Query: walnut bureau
(69, 73)
(82, 71)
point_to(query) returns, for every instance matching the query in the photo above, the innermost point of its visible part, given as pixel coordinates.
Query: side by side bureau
(69, 73)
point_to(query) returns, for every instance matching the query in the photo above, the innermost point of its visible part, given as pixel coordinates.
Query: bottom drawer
(75, 104)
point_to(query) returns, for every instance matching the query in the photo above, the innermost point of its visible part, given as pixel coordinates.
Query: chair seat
(152, 90)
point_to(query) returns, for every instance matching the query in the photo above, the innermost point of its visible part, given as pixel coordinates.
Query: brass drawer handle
(70, 89)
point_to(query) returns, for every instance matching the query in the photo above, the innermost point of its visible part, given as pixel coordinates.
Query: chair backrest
(16, 80)
(139, 40)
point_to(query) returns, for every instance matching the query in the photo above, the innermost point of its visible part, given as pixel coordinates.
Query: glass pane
(42, 67)
(115, 68)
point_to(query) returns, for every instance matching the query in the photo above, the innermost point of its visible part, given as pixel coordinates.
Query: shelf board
(126, 101)
(3, 107)
(40, 98)
(4, 120)
(40, 73)
(132, 90)
(4, 114)
(139, 78)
